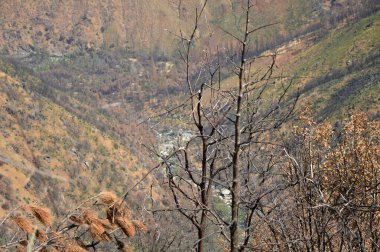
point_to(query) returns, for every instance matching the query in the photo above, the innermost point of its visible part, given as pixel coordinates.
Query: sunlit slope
(49, 155)
(344, 68)
(66, 26)
(145, 26)
(335, 73)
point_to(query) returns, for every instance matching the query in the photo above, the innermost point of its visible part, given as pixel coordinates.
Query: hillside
(145, 27)
(105, 93)
(336, 73)
(50, 156)
(61, 27)
(65, 26)
(89, 102)
(344, 68)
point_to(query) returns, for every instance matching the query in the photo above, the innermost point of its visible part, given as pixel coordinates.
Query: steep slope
(64, 26)
(78, 77)
(142, 26)
(50, 156)
(342, 70)
(92, 69)
(335, 71)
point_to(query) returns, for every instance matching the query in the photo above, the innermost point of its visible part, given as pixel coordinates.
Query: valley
(139, 98)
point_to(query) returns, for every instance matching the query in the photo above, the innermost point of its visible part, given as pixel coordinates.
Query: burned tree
(233, 147)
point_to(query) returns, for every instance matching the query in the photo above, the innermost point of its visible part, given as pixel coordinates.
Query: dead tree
(233, 124)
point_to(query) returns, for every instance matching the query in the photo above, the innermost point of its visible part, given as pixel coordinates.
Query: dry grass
(126, 226)
(42, 214)
(108, 198)
(140, 226)
(117, 210)
(89, 215)
(123, 247)
(111, 212)
(41, 235)
(73, 248)
(118, 217)
(21, 247)
(76, 220)
(24, 224)
(114, 211)
(98, 232)
(97, 226)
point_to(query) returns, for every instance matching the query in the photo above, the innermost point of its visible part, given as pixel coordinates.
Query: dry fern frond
(117, 211)
(24, 224)
(41, 235)
(89, 215)
(98, 232)
(124, 247)
(140, 226)
(50, 249)
(107, 198)
(73, 248)
(76, 219)
(126, 226)
(21, 247)
(106, 223)
(42, 214)
(111, 214)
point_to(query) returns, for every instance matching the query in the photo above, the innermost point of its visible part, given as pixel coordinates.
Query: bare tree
(232, 148)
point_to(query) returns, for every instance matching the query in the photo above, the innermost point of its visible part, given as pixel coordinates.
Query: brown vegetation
(24, 224)
(42, 214)
(64, 235)
(315, 190)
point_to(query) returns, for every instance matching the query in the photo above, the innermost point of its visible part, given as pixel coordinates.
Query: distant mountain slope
(336, 71)
(146, 26)
(64, 26)
(344, 70)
